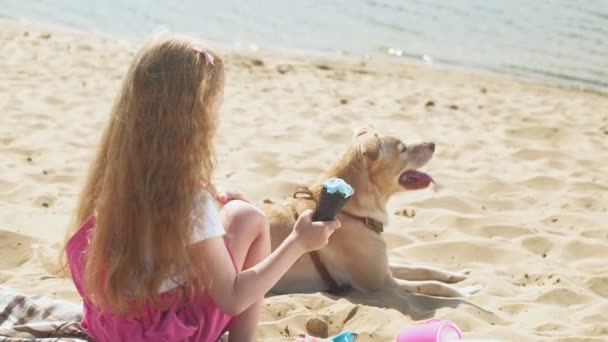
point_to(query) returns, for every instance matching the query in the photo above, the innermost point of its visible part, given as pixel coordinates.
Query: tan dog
(377, 167)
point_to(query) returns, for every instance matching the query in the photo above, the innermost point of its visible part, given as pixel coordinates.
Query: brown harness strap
(324, 273)
(369, 222)
(303, 193)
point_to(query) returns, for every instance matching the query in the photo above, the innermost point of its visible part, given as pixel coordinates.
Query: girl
(160, 255)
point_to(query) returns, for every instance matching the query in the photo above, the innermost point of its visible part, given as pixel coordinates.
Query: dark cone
(329, 205)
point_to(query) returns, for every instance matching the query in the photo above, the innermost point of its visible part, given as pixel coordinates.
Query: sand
(523, 201)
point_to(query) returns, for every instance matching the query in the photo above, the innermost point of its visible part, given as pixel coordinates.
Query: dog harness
(303, 193)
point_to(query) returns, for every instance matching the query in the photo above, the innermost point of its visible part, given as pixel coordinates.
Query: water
(560, 41)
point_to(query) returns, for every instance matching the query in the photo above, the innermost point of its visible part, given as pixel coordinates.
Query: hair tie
(200, 49)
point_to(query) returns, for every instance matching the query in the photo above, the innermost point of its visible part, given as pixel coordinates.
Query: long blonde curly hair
(155, 151)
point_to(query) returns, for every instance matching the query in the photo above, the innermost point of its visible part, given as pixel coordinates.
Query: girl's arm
(235, 292)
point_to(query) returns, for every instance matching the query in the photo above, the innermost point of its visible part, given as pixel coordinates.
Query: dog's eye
(402, 148)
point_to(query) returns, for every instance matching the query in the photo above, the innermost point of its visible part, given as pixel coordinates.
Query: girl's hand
(310, 235)
(226, 195)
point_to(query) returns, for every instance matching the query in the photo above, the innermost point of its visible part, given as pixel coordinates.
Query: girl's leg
(248, 239)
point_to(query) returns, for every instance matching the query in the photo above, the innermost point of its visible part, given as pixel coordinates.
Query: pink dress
(201, 320)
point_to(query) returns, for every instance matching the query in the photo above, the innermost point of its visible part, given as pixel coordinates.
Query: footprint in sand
(53, 177)
(46, 256)
(452, 203)
(589, 249)
(550, 327)
(504, 231)
(538, 245)
(597, 329)
(588, 203)
(53, 100)
(458, 252)
(7, 186)
(265, 163)
(6, 140)
(543, 183)
(598, 234)
(563, 297)
(588, 186)
(599, 285)
(464, 223)
(540, 133)
(334, 137)
(397, 239)
(502, 204)
(311, 170)
(513, 309)
(530, 154)
(20, 247)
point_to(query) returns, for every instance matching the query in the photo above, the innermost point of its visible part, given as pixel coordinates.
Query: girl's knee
(242, 215)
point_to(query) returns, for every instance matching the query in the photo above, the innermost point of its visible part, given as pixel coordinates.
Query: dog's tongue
(414, 180)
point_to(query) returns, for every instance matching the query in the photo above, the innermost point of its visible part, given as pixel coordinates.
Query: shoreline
(336, 57)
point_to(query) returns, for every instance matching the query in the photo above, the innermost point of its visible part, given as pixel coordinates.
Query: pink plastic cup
(434, 330)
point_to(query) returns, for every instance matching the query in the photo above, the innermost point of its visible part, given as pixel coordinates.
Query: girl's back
(154, 258)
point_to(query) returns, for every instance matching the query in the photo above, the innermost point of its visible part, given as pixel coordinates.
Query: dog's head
(392, 164)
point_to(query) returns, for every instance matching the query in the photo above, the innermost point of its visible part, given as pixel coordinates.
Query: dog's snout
(431, 146)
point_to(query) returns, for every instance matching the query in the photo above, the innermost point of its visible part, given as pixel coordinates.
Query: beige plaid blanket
(38, 318)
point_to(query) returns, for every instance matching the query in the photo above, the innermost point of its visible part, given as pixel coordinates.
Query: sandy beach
(522, 169)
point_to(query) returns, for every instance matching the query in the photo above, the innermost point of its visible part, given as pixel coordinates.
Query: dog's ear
(362, 130)
(370, 148)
